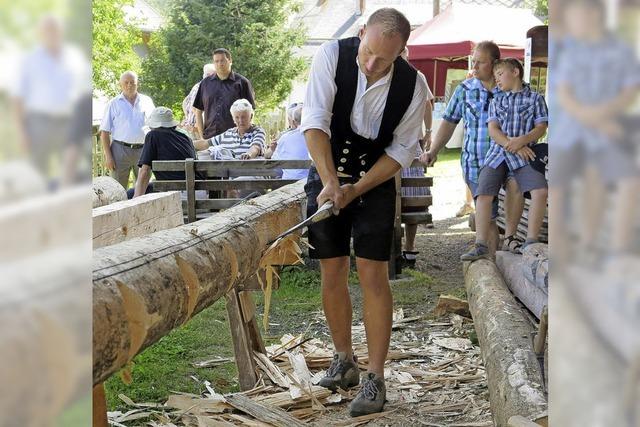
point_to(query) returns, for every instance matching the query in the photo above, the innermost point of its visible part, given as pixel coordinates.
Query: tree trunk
(107, 190)
(516, 385)
(143, 288)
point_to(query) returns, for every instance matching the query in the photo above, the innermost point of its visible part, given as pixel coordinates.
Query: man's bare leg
(410, 231)
(336, 301)
(377, 310)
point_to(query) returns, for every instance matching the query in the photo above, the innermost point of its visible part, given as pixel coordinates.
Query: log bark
(107, 190)
(143, 288)
(512, 268)
(137, 217)
(515, 381)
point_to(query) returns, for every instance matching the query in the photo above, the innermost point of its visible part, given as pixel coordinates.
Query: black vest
(353, 154)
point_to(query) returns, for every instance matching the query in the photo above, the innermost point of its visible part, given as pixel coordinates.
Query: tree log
(107, 190)
(505, 336)
(512, 268)
(137, 217)
(143, 288)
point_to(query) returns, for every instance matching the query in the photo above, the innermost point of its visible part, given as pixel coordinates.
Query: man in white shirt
(362, 120)
(121, 130)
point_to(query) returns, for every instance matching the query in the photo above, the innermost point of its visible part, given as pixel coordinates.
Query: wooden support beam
(145, 287)
(247, 376)
(516, 385)
(99, 407)
(137, 217)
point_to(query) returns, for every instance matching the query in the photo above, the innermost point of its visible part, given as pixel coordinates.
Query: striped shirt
(470, 102)
(239, 145)
(517, 113)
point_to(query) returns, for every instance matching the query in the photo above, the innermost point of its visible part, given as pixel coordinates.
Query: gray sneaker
(342, 373)
(371, 397)
(479, 251)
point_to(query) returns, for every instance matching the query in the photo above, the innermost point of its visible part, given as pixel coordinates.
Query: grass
(412, 291)
(167, 366)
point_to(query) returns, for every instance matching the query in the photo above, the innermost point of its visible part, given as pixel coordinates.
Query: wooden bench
(219, 175)
(407, 214)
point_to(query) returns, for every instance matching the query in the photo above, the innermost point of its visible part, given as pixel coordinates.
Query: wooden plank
(137, 217)
(416, 201)
(216, 166)
(247, 377)
(190, 177)
(266, 413)
(416, 218)
(225, 184)
(268, 173)
(99, 407)
(247, 305)
(427, 181)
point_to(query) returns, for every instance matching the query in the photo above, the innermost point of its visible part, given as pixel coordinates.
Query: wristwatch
(427, 131)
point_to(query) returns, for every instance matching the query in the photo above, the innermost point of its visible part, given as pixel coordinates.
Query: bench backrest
(220, 175)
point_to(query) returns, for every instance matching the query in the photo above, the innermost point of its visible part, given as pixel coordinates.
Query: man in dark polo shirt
(162, 142)
(216, 95)
(362, 119)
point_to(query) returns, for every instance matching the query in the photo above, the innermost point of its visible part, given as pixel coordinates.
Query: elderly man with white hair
(291, 145)
(121, 131)
(189, 121)
(245, 141)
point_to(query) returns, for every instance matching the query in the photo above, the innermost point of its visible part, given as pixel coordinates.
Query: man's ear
(362, 32)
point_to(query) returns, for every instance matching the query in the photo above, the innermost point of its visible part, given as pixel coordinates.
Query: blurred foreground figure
(595, 296)
(52, 78)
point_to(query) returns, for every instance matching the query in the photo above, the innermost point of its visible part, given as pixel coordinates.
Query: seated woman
(291, 144)
(245, 141)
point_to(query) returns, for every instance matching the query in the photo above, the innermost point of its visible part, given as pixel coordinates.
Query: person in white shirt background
(122, 129)
(291, 144)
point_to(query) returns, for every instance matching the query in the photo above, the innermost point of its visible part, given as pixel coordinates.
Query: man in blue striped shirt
(517, 119)
(470, 103)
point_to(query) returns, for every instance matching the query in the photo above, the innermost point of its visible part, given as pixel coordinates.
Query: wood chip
(266, 413)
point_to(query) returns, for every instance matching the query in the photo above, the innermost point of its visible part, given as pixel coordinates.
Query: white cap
(162, 117)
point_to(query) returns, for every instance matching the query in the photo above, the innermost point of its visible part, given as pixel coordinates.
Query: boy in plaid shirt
(517, 119)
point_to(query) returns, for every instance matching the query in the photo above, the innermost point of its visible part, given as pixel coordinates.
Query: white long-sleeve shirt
(368, 106)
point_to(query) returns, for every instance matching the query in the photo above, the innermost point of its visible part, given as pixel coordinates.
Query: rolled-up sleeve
(541, 113)
(453, 112)
(404, 146)
(321, 90)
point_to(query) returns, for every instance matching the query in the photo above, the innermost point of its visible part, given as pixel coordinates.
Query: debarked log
(515, 381)
(145, 287)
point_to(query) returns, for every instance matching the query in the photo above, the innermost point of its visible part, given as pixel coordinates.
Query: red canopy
(447, 40)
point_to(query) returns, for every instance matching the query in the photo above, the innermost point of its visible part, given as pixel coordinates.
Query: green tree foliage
(113, 41)
(542, 10)
(256, 33)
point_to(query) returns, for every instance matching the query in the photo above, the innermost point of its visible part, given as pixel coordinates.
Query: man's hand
(515, 144)
(334, 192)
(428, 158)
(349, 193)
(109, 162)
(526, 153)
